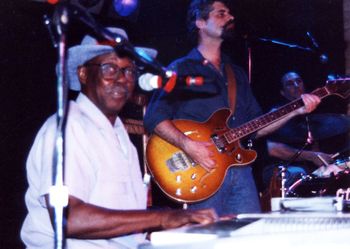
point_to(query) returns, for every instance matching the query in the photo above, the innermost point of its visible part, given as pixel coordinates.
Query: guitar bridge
(179, 161)
(219, 143)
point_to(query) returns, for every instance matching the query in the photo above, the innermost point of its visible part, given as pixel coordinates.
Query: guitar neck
(269, 118)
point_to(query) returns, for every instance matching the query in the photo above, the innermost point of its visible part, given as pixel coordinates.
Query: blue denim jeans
(237, 194)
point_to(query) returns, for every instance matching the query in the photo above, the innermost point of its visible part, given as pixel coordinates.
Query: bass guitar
(185, 181)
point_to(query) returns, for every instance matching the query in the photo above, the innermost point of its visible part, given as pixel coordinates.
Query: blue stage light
(125, 7)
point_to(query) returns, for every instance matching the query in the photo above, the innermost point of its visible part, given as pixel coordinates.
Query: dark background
(27, 78)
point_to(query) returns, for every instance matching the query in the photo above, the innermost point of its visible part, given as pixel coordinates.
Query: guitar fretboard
(269, 118)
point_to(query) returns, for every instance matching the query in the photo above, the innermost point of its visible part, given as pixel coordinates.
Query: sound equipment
(291, 230)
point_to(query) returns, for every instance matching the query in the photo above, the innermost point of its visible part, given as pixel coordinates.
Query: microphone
(312, 39)
(149, 82)
(322, 57)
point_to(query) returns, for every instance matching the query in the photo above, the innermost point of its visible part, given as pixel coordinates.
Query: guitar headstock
(340, 87)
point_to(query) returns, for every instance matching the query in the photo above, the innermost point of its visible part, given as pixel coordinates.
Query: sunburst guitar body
(182, 179)
(185, 181)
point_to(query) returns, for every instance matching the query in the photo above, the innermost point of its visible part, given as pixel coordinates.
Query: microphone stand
(58, 193)
(121, 42)
(262, 39)
(309, 141)
(323, 58)
(286, 44)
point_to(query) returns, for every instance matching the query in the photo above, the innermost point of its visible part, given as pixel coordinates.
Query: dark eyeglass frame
(130, 73)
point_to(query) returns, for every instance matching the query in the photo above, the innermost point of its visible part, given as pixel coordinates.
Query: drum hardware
(322, 169)
(343, 162)
(322, 126)
(309, 141)
(314, 186)
(336, 167)
(304, 178)
(313, 127)
(325, 163)
(283, 170)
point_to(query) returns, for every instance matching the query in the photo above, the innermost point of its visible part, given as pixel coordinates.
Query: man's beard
(228, 31)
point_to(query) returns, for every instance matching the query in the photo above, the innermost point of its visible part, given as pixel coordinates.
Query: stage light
(125, 7)
(116, 9)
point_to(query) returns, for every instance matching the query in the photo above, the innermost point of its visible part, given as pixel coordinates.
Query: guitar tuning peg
(250, 144)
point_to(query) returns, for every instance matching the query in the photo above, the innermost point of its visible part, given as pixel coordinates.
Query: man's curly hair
(199, 9)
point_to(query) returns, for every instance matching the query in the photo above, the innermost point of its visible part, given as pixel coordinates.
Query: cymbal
(321, 126)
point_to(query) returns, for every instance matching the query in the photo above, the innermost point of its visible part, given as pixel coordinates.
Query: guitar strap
(231, 87)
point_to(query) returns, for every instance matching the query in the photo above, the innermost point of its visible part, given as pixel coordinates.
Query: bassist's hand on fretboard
(311, 102)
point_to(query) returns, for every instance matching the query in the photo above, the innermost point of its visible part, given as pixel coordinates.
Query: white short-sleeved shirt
(101, 168)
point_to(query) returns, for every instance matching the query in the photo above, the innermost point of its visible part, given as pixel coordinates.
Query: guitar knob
(178, 192)
(194, 189)
(178, 178)
(239, 157)
(193, 176)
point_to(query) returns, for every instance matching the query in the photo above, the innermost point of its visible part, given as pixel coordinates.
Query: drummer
(282, 148)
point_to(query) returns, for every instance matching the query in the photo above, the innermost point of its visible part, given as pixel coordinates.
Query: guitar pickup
(219, 143)
(179, 161)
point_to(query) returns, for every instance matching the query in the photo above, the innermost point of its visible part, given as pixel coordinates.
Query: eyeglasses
(111, 71)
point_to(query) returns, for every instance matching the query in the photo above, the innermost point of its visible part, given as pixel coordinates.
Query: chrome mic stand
(58, 193)
(283, 168)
